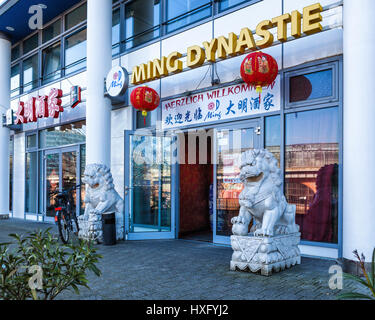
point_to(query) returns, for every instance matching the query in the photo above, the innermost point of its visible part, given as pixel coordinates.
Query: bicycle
(65, 214)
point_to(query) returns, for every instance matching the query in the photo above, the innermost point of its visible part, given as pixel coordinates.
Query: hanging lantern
(259, 70)
(144, 99)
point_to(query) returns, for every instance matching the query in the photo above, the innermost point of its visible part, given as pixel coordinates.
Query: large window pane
(183, 12)
(116, 32)
(76, 16)
(30, 73)
(310, 86)
(52, 31)
(75, 52)
(72, 133)
(226, 4)
(51, 63)
(273, 136)
(311, 171)
(15, 81)
(31, 181)
(142, 20)
(30, 44)
(15, 52)
(41, 184)
(230, 145)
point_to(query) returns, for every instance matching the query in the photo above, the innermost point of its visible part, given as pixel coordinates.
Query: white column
(5, 54)
(359, 128)
(99, 62)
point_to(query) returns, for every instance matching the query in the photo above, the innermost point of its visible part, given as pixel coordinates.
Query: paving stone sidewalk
(189, 270)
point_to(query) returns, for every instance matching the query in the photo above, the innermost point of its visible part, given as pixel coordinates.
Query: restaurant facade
(315, 119)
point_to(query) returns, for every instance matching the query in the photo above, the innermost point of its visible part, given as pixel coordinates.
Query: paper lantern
(144, 99)
(259, 70)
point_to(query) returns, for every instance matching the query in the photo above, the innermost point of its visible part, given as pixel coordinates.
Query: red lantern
(259, 70)
(145, 99)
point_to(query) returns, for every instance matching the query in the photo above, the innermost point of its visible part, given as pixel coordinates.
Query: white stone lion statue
(262, 198)
(101, 197)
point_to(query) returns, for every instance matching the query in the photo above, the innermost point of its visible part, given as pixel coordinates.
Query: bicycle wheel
(64, 229)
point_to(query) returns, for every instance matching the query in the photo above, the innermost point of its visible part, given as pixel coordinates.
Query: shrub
(40, 268)
(368, 282)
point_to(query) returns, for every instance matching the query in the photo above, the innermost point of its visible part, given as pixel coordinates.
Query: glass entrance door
(149, 186)
(61, 173)
(229, 145)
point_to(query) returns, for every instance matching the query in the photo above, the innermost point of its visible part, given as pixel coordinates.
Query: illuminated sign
(45, 106)
(117, 81)
(233, 45)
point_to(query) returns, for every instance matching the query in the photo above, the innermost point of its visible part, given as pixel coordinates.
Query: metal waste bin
(109, 228)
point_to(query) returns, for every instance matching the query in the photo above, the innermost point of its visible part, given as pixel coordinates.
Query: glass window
(310, 86)
(226, 4)
(52, 31)
(230, 145)
(183, 12)
(116, 32)
(75, 52)
(31, 141)
(51, 67)
(41, 183)
(76, 16)
(83, 186)
(15, 81)
(30, 44)
(273, 136)
(311, 172)
(15, 52)
(72, 133)
(31, 181)
(142, 20)
(150, 119)
(30, 73)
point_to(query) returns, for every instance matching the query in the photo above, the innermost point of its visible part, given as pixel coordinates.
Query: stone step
(4, 216)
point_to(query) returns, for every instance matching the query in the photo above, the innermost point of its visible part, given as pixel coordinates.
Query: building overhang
(15, 16)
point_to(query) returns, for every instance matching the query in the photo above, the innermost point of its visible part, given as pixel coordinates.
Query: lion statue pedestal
(101, 197)
(272, 244)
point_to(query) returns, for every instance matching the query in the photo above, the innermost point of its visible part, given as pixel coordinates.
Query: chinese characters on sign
(225, 103)
(44, 106)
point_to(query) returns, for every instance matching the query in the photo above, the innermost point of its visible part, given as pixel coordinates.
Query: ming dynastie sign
(222, 47)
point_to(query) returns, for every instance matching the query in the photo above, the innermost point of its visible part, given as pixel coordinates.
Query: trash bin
(109, 228)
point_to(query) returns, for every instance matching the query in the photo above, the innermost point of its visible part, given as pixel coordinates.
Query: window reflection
(72, 133)
(31, 182)
(226, 4)
(311, 86)
(183, 12)
(142, 20)
(116, 32)
(76, 16)
(15, 81)
(52, 31)
(311, 172)
(150, 184)
(51, 63)
(273, 136)
(30, 73)
(30, 44)
(75, 52)
(231, 144)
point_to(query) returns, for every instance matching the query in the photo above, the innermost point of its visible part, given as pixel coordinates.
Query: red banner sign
(40, 107)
